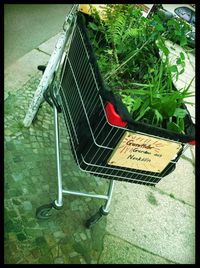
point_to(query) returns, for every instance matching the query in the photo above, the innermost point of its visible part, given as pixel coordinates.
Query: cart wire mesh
(93, 139)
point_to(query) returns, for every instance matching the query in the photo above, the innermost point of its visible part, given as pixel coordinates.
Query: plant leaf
(178, 61)
(161, 45)
(174, 127)
(183, 41)
(180, 113)
(181, 124)
(174, 68)
(182, 55)
(137, 103)
(144, 108)
(158, 115)
(159, 27)
(93, 26)
(168, 107)
(182, 71)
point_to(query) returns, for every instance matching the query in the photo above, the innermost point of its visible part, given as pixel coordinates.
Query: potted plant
(128, 50)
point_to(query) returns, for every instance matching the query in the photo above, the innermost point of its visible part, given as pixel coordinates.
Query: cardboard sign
(142, 152)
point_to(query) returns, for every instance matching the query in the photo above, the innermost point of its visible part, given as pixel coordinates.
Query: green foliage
(176, 31)
(172, 29)
(128, 46)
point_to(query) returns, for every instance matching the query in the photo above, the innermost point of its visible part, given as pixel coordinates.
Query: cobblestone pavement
(30, 181)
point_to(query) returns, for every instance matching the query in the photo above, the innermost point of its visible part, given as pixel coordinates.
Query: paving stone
(9, 146)
(21, 237)
(10, 259)
(55, 251)
(8, 132)
(16, 201)
(25, 190)
(45, 259)
(36, 252)
(6, 95)
(13, 246)
(129, 254)
(73, 254)
(75, 260)
(77, 237)
(82, 261)
(75, 205)
(46, 251)
(15, 192)
(8, 139)
(88, 233)
(40, 241)
(12, 236)
(12, 226)
(17, 177)
(50, 239)
(33, 232)
(27, 204)
(93, 262)
(59, 234)
(53, 227)
(83, 236)
(17, 159)
(59, 260)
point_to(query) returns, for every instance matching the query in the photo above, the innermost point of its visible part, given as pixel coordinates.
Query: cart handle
(113, 117)
(192, 142)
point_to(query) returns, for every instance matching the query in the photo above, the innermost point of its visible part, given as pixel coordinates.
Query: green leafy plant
(128, 47)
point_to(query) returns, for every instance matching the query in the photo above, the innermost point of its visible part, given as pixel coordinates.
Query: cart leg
(45, 211)
(58, 202)
(103, 210)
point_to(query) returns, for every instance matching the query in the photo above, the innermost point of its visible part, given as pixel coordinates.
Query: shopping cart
(102, 143)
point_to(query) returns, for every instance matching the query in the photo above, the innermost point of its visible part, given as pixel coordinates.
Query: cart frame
(44, 211)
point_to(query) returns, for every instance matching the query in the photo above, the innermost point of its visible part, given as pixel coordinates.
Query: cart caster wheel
(95, 218)
(44, 212)
(42, 68)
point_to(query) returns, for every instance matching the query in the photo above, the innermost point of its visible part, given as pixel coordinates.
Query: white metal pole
(59, 201)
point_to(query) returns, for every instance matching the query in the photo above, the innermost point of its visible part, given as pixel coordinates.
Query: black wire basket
(129, 151)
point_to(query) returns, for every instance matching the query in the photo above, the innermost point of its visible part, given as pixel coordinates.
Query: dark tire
(44, 212)
(93, 220)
